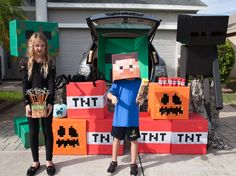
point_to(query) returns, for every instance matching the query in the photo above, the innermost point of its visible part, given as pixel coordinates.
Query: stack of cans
(171, 81)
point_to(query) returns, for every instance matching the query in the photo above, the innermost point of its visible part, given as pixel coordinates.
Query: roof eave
(118, 6)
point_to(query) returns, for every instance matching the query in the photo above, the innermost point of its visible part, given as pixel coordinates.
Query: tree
(9, 10)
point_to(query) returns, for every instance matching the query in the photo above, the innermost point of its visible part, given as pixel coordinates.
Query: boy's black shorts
(132, 133)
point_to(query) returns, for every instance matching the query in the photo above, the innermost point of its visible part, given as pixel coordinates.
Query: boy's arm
(113, 98)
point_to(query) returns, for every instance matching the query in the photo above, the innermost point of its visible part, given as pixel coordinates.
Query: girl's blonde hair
(30, 53)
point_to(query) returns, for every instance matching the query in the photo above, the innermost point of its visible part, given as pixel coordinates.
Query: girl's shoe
(51, 170)
(32, 170)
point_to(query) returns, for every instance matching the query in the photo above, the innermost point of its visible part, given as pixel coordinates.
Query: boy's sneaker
(112, 168)
(133, 169)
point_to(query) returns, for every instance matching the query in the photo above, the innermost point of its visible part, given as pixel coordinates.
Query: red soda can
(179, 81)
(174, 81)
(169, 81)
(160, 81)
(182, 82)
(165, 81)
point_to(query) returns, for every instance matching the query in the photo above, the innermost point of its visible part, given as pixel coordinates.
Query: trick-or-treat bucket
(39, 110)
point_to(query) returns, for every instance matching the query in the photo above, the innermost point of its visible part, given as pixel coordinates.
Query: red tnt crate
(86, 101)
(155, 135)
(99, 139)
(189, 136)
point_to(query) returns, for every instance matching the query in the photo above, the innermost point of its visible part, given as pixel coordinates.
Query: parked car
(122, 32)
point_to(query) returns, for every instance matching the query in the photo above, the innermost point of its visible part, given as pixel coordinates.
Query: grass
(11, 96)
(230, 98)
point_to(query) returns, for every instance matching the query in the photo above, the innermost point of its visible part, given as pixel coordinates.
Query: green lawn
(11, 96)
(230, 98)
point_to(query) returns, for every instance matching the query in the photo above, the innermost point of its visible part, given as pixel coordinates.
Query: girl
(39, 72)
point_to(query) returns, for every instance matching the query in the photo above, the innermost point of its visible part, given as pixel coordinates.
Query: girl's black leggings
(34, 133)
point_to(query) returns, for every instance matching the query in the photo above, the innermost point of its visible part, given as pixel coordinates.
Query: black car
(122, 32)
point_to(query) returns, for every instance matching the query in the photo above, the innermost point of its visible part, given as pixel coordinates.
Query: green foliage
(9, 10)
(226, 60)
(11, 96)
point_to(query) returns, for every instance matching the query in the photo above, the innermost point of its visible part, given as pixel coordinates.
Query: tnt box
(155, 135)
(99, 137)
(86, 101)
(166, 102)
(69, 136)
(189, 136)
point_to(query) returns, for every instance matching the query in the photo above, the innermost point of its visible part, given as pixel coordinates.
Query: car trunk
(121, 33)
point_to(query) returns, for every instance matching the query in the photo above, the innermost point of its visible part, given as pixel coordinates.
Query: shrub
(226, 60)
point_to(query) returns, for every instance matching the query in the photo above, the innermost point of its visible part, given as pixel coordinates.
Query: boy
(123, 93)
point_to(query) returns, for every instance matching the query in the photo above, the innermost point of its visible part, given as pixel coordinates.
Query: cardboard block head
(125, 66)
(21, 31)
(59, 110)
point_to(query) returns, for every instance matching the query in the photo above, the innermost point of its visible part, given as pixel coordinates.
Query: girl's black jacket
(37, 80)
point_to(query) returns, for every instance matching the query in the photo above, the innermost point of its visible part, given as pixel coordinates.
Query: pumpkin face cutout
(165, 102)
(73, 142)
(171, 105)
(69, 136)
(59, 110)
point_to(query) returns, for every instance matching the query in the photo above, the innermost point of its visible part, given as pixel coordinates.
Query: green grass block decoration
(21, 30)
(18, 121)
(25, 136)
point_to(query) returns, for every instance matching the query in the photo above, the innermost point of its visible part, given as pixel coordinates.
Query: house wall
(73, 44)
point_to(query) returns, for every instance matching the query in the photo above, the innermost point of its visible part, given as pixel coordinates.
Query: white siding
(73, 43)
(165, 44)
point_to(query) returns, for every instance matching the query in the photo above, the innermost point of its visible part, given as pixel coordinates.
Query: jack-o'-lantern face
(165, 102)
(171, 104)
(69, 136)
(71, 139)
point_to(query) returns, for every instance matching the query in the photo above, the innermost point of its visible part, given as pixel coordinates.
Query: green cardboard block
(18, 121)
(21, 30)
(109, 46)
(25, 136)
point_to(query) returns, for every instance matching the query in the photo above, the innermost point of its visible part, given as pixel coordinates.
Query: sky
(220, 7)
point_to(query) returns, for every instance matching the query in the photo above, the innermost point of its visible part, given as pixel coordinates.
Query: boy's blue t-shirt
(126, 112)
